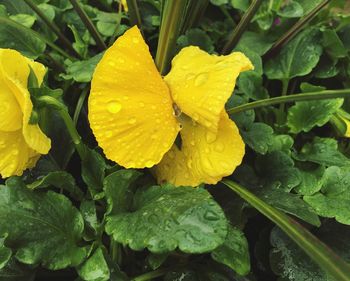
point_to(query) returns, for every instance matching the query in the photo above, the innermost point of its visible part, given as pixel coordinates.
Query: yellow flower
(20, 143)
(125, 5)
(131, 111)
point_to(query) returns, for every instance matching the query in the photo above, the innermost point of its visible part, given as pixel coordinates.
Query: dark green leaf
(323, 151)
(81, 71)
(289, 203)
(117, 192)
(61, 180)
(5, 253)
(333, 45)
(88, 211)
(14, 36)
(166, 217)
(42, 227)
(93, 173)
(95, 268)
(292, 10)
(234, 252)
(259, 43)
(311, 180)
(333, 200)
(250, 83)
(277, 168)
(297, 58)
(259, 137)
(14, 271)
(196, 37)
(156, 260)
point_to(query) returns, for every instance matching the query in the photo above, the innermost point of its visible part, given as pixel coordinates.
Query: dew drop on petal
(219, 147)
(132, 120)
(210, 137)
(114, 107)
(200, 79)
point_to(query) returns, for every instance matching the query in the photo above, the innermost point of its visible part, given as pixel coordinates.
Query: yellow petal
(130, 109)
(16, 71)
(15, 154)
(205, 157)
(200, 84)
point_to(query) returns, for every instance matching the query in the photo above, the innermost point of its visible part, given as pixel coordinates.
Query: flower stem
(313, 247)
(320, 95)
(53, 27)
(173, 17)
(294, 30)
(63, 111)
(89, 25)
(240, 28)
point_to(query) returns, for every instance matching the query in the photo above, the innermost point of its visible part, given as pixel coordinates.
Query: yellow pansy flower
(125, 5)
(20, 142)
(136, 115)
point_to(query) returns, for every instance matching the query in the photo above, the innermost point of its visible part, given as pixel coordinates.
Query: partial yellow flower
(21, 143)
(132, 111)
(125, 5)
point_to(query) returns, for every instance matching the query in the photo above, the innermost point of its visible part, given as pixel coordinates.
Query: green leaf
(16, 7)
(167, 217)
(333, 200)
(311, 180)
(323, 151)
(277, 168)
(93, 173)
(305, 115)
(26, 20)
(259, 43)
(234, 252)
(250, 83)
(258, 137)
(297, 58)
(196, 37)
(333, 45)
(5, 253)
(289, 203)
(242, 5)
(292, 10)
(117, 192)
(308, 5)
(81, 71)
(95, 268)
(219, 2)
(14, 271)
(15, 36)
(156, 260)
(61, 180)
(42, 227)
(88, 211)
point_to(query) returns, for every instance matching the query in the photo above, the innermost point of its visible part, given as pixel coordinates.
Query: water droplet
(189, 164)
(132, 120)
(210, 137)
(153, 107)
(195, 116)
(193, 142)
(201, 79)
(120, 60)
(219, 147)
(210, 215)
(114, 107)
(15, 152)
(190, 76)
(158, 121)
(154, 136)
(149, 164)
(109, 134)
(135, 40)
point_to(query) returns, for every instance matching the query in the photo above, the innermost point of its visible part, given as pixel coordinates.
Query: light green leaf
(292, 10)
(323, 151)
(219, 2)
(88, 211)
(242, 5)
(333, 200)
(308, 5)
(297, 58)
(311, 180)
(95, 268)
(5, 253)
(234, 252)
(15, 36)
(81, 71)
(167, 217)
(61, 180)
(24, 19)
(42, 227)
(117, 192)
(305, 115)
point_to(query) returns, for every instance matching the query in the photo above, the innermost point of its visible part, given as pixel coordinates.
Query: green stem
(196, 9)
(89, 25)
(313, 247)
(34, 34)
(151, 275)
(134, 13)
(320, 95)
(63, 111)
(173, 16)
(240, 28)
(53, 27)
(79, 105)
(280, 113)
(294, 30)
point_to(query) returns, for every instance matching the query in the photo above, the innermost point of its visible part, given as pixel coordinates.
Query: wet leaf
(95, 268)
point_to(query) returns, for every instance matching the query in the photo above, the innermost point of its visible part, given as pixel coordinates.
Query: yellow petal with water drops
(201, 83)
(16, 72)
(205, 157)
(14, 154)
(130, 108)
